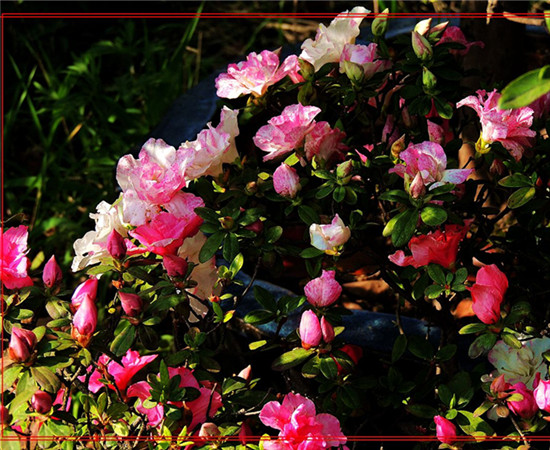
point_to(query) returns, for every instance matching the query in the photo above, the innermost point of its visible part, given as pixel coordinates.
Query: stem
(519, 431)
(258, 263)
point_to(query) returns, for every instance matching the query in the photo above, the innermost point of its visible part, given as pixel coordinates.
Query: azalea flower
(324, 290)
(437, 247)
(425, 166)
(286, 181)
(329, 42)
(325, 143)
(286, 132)
(455, 34)
(329, 237)
(22, 344)
(299, 425)
(510, 127)
(366, 57)
(14, 262)
(310, 330)
(445, 430)
(256, 74)
(488, 293)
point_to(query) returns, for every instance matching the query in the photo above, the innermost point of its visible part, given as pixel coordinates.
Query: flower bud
(4, 415)
(41, 402)
(310, 330)
(22, 344)
(52, 274)
(327, 330)
(397, 147)
(497, 167)
(246, 373)
(209, 429)
(437, 30)
(306, 69)
(329, 237)
(245, 434)
(428, 80)
(423, 26)
(445, 430)
(132, 304)
(422, 48)
(251, 188)
(116, 245)
(344, 169)
(542, 395)
(227, 222)
(84, 322)
(436, 133)
(88, 289)
(380, 23)
(526, 407)
(417, 187)
(353, 71)
(256, 227)
(286, 181)
(175, 266)
(324, 290)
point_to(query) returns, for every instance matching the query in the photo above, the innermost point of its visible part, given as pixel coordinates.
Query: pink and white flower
(14, 262)
(542, 395)
(286, 181)
(425, 166)
(325, 143)
(329, 41)
(366, 56)
(455, 34)
(510, 127)
(324, 290)
(286, 132)
(329, 237)
(256, 74)
(299, 425)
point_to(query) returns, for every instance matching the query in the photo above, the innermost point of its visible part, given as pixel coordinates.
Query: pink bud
(116, 245)
(421, 46)
(245, 434)
(327, 330)
(52, 274)
(525, 408)
(246, 373)
(488, 293)
(324, 290)
(256, 227)
(310, 330)
(445, 430)
(209, 429)
(22, 344)
(41, 402)
(174, 265)
(497, 167)
(88, 289)
(542, 395)
(286, 181)
(132, 304)
(85, 321)
(417, 188)
(4, 415)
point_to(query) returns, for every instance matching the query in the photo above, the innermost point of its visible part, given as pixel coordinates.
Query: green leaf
(460, 276)
(211, 246)
(230, 247)
(395, 195)
(265, 298)
(308, 215)
(208, 215)
(436, 273)
(511, 340)
(443, 108)
(339, 194)
(291, 359)
(328, 368)
(123, 340)
(525, 89)
(399, 347)
(311, 252)
(434, 291)
(482, 345)
(516, 180)
(256, 345)
(311, 368)
(404, 227)
(433, 215)
(9, 375)
(46, 379)
(474, 426)
(237, 264)
(446, 352)
(259, 317)
(273, 234)
(521, 197)
(472, 328)
(423, 411)
(420, 347)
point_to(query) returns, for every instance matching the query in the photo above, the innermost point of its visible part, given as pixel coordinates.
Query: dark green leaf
(259, 317)
(420, 347)
(472, 328)
(230, 247)
(482, 345)
(211, 246)
(446, 352)
(404, 227)
(444, 109)
(521, 197)
(328, 368)
(46, 379)
(423, 411)
(265, 298)
(208, 215)
(436, 273)
(273, 234)
(399, 347)
(311, 252)
(516, 180)
(308, 215)
(395, 195)
(123, 340)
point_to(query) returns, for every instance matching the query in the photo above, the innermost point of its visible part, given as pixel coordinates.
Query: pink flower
(213, 147)
(445, 430)
(116, 245)
(132, 363)
(287, 131)
(325, 142)
(300, 427)
(330, 41)
(142, 389)
(541, 106)
(165, 233)
(174, 265)
(542, 395)
(286, 181)
(488, 293)
(425, 164)
(88, 289)
(153, 179)
(525, 408)
(365, 56)
(132, 304)
(455, 34)
(327, 330)
(324, 290)
(329, 237)
(41, 402)
(22, 344)
(310, 330)
(85, 321)
(436, 133)
(13, 262)
(52, 275)
(438, 247)
(510, 127)
(256, 74)
(200, 406)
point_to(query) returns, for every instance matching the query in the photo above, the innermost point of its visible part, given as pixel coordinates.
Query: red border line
(235, 15)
